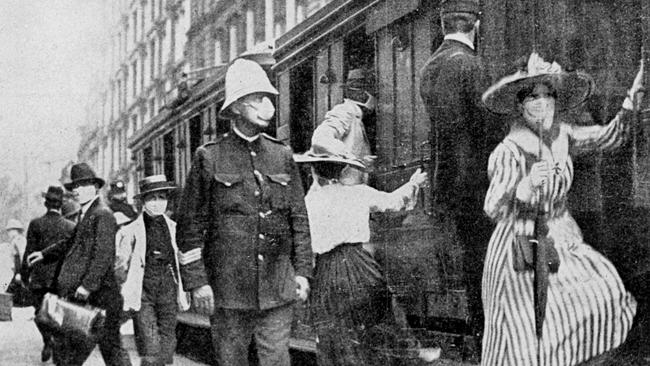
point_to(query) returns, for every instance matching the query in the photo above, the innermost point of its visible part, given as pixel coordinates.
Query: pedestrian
(462, 138)
(9, 265)
(342, 132)
(87, 271)
(41, 233)
(148, 270)
(242, 228)
(118, 203)
(350, 301)
(15, 230)
(588, 311)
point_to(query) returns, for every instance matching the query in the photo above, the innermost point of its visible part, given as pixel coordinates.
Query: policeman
(242, 228)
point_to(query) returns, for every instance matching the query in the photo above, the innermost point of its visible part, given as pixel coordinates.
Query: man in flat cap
(451, 86)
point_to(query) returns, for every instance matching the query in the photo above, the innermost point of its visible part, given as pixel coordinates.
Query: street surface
(20, 343)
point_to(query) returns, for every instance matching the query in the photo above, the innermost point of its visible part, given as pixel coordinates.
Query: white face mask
(370, 103)
(155, 207)
(540, 110)
(85, 193)
(264, 108)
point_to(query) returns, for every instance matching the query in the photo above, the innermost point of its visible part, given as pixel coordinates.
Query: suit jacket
(242, 223)
(41, 233)
(462, 132)
(131, 254)
(89, 255)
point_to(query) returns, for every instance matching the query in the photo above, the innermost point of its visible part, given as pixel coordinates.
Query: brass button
(257, 193)
(253, 153)
(262, 215)
(261, 236)
(260, 257)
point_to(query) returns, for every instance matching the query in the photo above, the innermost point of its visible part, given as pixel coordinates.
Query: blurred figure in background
(15, 230)
(41, 233)
(122, 210)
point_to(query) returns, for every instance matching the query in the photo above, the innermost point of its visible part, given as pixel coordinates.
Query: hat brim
(572, 90)
(168, 189)
(70, 185)
(324, 158)
(225, 111)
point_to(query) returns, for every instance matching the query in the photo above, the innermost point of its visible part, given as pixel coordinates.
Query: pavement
(20, 343)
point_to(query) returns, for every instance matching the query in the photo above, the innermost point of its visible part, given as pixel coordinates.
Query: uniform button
(257, 193)
(260, 257)
(253, 153)
(256, 172)
(261, 236)
(262, 215)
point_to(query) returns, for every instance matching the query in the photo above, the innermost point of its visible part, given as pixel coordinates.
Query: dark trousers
(155, 323)
(37, 297)
(233, 329)
(73, 351)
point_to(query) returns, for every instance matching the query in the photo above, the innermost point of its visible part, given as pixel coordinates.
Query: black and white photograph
(325, 182)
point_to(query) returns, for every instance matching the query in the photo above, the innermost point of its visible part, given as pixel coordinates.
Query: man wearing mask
(87, 270)
(343, 132)
(41, 233)
(461, 139)
(148, 270)
(123, 211)
(243, 229)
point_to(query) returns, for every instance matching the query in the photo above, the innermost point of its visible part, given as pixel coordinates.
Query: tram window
(301, 106)
(170, 159)
(223, 125)
(359, 53)
(196, 131)
(148, 161)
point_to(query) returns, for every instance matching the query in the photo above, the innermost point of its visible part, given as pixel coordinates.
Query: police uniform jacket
(89, 256)
(41, 233)
(242, 224)
(462, 134)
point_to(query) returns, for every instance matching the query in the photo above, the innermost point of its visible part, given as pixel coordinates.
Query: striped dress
(588, 311)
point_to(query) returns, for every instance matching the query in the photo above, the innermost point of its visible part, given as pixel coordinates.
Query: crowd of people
(246, 242)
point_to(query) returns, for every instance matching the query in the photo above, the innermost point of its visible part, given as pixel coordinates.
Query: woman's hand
(539, 173)
(419, 178)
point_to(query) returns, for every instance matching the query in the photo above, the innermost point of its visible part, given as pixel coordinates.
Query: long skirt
(588, 311)
(351, 311)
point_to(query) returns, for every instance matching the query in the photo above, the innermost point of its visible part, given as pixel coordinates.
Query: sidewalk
(20, 343)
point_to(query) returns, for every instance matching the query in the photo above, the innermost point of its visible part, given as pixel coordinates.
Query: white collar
(462, 38)
(526, 139)
(241, 134)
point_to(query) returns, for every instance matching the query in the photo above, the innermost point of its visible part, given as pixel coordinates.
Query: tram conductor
(243, 231)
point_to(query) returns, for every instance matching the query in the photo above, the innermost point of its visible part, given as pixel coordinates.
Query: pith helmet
(244, 77)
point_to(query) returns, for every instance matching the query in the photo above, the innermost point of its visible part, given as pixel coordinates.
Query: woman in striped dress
(588, 310)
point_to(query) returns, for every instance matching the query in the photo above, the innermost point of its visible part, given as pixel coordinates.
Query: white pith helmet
(244, 77)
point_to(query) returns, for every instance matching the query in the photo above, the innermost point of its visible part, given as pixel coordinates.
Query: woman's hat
(572, 88)
(244, 77)
(82, 173)
(53, 194)
(154, 183)
(316, 156)
(14, 224)
(360, 79)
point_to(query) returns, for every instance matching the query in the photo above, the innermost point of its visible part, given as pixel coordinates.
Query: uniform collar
(240, 134)
(460, 37)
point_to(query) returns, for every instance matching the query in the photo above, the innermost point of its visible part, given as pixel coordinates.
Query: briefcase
(70, 318)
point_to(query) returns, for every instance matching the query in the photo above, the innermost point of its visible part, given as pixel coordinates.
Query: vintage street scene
(325, 182)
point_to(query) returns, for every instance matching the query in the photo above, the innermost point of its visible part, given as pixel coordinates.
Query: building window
(134, 68)
(160, 56)
(134, 124)
(153, 10)
(196, 131)
(280, 17)
(148, 161)
(135, 26)
(152, 108)
(142, 66)
(152, 70)
(169, 164)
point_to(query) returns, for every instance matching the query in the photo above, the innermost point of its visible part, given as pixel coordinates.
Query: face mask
(540, 110)
(264, 109)
(155, 207)
(85, 193)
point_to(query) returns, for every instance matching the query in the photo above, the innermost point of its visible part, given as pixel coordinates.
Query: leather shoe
(46, 353)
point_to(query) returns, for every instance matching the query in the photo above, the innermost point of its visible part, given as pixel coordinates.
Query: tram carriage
(422, 259)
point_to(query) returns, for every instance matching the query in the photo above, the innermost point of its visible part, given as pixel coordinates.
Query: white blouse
(340, 213)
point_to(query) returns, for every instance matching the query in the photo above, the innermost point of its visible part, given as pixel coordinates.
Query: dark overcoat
(242, 225)
(89, 257)
(462, 133)
(41, 233)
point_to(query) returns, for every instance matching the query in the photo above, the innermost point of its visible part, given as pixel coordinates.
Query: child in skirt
(350, 300)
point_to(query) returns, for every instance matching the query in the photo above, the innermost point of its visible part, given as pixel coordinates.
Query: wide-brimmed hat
(154, 183)
(460, 6)
(572, 88)
(359, 79)
(82, 173)
(318, 155)
(244, 77)
(14, 224)
(53, 194)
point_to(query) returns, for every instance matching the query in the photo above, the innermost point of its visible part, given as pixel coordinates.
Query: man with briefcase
(86, 274)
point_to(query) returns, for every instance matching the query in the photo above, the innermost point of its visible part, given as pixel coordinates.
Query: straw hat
(154, 183)
(572, 88)
(244, 77)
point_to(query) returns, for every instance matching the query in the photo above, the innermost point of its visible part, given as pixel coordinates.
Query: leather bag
(70, 318)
